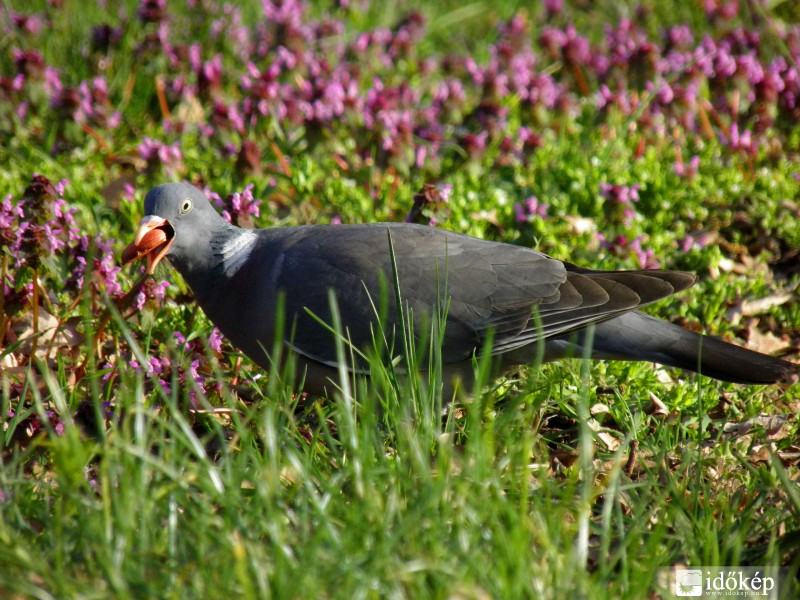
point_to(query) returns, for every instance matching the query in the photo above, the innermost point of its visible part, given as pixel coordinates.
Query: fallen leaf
(50, 334)
(580, 225)
(761, 454)
(656, 406)
(490, 216)
(751, 308)
(789, 459)
(563, 460)
(766, 343)
(612, 442)
(771, 424)
(662, 375)
(114, 189)
(190, 111)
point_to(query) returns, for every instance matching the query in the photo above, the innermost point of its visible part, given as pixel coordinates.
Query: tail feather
(637, 336)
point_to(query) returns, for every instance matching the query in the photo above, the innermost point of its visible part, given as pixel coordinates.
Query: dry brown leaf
(580, 225)
(563, 460)
(761, 454)
(726, 265)
(490, 216)
(114, 189)
(720, 411)
(611, 441)
(766, 343)
(49, 333)
(772, 424)
(790, 205)
(751, 308)
(190, 111)
(663, 375)
(789, 459)
(656, 406)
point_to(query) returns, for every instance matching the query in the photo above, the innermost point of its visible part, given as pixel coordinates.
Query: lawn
(142, 456)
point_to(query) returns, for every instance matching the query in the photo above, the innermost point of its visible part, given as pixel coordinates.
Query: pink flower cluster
(306, 77)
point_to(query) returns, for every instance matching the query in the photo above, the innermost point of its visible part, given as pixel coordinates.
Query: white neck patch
(232, 250)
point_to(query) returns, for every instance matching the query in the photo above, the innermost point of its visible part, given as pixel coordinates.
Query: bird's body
(529, 303)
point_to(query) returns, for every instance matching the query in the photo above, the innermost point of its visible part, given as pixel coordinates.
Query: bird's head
(174, 214)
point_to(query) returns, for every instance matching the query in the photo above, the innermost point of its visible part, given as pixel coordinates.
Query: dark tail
(637, 336)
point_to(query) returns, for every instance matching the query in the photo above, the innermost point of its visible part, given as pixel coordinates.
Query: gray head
(178, 203)
(179, 221)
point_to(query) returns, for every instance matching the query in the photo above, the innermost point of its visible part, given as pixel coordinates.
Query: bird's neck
(231, 246)
(214, 257)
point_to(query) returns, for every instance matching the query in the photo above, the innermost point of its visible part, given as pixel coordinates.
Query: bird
(385, 278)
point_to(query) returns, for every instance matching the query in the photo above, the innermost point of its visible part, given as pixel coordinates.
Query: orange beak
(154, 237)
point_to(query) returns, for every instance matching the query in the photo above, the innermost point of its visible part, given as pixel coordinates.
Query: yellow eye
(186, 206)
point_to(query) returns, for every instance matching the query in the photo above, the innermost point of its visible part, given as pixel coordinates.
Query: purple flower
(159, 290)
(104, 37)
(646, 258)
(181, 339)
(724, 64)
(740, 141)
(749, 67)
(152, 291)
(31, 24)
(53, 85)
(209, 73)
(449, 95)
(152, 11)
(553, 40)
(721, 9)
(194, 365)
(684, 170)
(128, 192)
(110, 370)
(227, 116)
(622, 247)
(10, 217)
(662, 90)
(92, 104)
(430, 202)
(620, 194)
(690, 241)
(58, 428)
(621, 100)
(29, 63)
(288, 13)
(474, 144)
(680, 36)
(445, 190)
(530, 209)
(215, 340)
(239, 207)
(156, 366)
(554, 7)
(158, 153)
(231, 27)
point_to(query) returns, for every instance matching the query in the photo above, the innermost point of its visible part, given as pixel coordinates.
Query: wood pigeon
(532, 307)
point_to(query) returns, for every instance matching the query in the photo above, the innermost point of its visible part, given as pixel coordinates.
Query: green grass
(557, 482)
(348, 498)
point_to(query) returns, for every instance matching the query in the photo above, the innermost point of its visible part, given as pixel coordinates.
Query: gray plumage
(531, 303)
